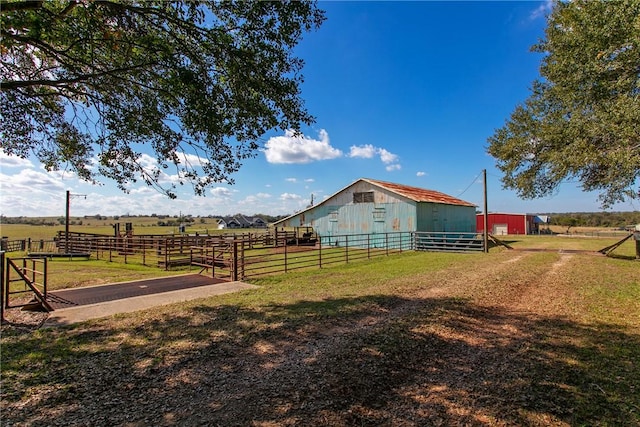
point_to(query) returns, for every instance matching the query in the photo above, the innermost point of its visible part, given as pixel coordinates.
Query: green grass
(141, 225)
(627, 249)
(567, 355)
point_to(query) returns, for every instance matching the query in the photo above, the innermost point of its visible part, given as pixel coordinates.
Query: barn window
(378, 214)
(333, 216)
(363, 197)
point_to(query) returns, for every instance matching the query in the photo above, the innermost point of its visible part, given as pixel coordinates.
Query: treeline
(78, 221)
(31, 221)
(596, 219)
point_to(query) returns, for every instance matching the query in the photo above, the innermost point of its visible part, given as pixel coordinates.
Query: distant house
(500, 224)
(256, 222)
(228, 222)
(240, 221)
(370, 206)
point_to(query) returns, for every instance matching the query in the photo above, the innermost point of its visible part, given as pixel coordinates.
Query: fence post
(166, 254)
(386, 242)
(242, 256)
(368, 246)
(44, 279)
(320, 252)
(346, 248)
(213, 256)
(285, 254)
(234, 270)
(2, 285)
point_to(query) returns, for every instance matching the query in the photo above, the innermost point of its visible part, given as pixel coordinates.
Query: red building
(500, 224)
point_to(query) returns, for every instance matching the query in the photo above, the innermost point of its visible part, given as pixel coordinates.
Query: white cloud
(290, 196)
(145, 191)
(30, 181)
(542, 10)
(291, 180)
(222, 192)
(420, 173)
(192, 159)
(32, 193)
(7, 161)
(387, 157)
(292, 148)
(366, 151)
(309, 180)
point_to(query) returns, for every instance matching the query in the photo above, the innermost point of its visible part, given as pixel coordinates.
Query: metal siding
(400, 214)
(437, 217)
(516, 223)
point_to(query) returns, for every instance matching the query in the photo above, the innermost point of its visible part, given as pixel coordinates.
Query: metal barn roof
(419, 194)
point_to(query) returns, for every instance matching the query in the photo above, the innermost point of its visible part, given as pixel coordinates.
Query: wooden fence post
(234, 269)
(285, 254)
(2, 286)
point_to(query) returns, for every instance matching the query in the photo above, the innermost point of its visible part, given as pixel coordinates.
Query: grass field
(141, 225)
(508, 338)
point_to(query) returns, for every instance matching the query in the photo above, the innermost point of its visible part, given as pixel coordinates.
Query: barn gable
(370, 206)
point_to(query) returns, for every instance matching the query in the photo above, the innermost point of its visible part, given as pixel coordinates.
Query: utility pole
(66, 222)
(485, 216)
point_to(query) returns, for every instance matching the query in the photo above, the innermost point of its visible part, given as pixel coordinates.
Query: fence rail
(425, 241)
(238, 256)
(24, 275)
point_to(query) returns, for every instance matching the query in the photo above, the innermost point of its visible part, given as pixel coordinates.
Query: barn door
(379, 229)
(500, 229)
(333, 225)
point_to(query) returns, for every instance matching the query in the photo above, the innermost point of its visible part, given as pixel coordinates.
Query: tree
(582, 119)
(196, 83)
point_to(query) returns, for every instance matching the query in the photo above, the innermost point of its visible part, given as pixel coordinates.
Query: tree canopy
(582, 119)
(93, 85)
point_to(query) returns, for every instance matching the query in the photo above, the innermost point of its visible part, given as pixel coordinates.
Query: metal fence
(462, 242)
(239, 256)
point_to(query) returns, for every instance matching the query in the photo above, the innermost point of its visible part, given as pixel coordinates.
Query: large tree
(582, 120)
(93, 85)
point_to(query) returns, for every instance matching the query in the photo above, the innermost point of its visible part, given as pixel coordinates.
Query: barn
(370, 206)
(500, 224)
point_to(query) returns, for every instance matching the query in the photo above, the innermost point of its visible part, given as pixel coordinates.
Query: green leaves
(120, 77)
(582, 119)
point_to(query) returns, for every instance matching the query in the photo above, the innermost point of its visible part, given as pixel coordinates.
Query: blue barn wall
(440, 217)
(389, 212)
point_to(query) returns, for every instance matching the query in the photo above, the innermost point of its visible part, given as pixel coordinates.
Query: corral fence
(24, 283)
(245, 255)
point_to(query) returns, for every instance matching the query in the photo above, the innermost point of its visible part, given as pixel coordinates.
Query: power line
(469, 186)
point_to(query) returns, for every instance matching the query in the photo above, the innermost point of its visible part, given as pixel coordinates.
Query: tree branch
(23, 5)
(15, 84)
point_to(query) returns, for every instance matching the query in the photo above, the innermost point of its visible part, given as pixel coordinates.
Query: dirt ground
(465, 347)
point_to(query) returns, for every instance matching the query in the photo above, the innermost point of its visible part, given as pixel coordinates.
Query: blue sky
(406, 92)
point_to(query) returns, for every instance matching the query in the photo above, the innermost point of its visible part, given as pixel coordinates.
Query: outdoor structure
(501, 224)
(369, 206)
(241, 221)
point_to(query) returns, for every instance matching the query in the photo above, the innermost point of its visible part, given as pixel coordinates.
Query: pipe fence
(239, 256)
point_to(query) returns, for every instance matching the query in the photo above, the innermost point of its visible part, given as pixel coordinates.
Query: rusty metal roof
(419, 194)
